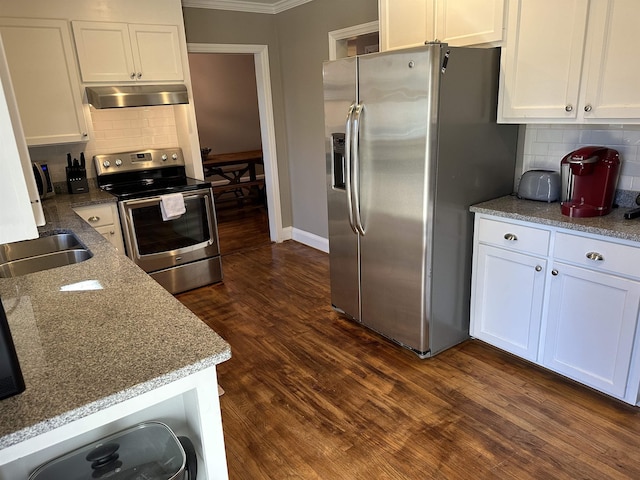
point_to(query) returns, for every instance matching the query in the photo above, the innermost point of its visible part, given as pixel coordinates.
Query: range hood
(137, 95)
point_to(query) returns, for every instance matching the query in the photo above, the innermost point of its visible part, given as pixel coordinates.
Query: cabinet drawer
(613, 257)
(513, 236)
(97, 215)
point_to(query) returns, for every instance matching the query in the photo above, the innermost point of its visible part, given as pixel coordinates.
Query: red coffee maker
(589, 179)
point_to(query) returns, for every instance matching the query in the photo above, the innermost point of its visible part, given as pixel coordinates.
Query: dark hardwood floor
(311, 395)
(242, 228)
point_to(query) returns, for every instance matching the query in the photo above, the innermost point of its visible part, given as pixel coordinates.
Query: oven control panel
(135, 161)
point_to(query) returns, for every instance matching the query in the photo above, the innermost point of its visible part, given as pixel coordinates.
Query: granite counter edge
(111, 400)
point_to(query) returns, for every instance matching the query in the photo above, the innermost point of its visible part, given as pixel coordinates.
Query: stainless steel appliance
(181, 253)
(419, 145)
(589, 180)
(540, 185)
(43, 180)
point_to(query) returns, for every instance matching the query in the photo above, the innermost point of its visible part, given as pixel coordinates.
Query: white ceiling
(254, 6)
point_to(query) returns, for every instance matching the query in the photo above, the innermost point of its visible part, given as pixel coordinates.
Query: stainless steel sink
(51, 251)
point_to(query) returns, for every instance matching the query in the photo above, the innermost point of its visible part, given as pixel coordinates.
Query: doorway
(268, 144)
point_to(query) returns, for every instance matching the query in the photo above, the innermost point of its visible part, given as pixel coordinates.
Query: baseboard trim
(310, 239)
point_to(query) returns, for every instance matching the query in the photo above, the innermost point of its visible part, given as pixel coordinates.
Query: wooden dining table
(234, 168)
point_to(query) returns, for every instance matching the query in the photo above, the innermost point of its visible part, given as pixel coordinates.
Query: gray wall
(298, 44)
(226, 101)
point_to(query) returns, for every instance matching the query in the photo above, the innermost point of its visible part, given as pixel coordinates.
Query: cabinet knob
(538, 268)
(93, 219)
(595, 256)
(139, 75)
(569, 108)
(85, 134)
(510, 237)
(132, 75)
(554, 272)
(588, 108)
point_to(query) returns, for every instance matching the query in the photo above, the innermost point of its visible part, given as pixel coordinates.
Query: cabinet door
(611, 77)
(506, 305)
(45, 80)
(469, 22)
(104, 51)
(405, 23)
(591, 327)
(156, 52)
(542, 60)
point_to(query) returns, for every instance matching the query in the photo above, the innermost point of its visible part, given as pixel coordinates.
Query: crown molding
(245, 6)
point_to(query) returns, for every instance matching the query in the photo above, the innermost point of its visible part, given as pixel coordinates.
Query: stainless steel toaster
(540, 185)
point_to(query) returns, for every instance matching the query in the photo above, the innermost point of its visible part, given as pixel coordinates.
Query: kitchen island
(102, 347)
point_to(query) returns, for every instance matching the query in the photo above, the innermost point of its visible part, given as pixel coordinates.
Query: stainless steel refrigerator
(412, 142)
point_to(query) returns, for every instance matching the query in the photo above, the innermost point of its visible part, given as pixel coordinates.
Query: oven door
(155, 244)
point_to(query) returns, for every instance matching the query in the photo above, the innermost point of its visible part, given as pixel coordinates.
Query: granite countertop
(612, 225)
(93, 334)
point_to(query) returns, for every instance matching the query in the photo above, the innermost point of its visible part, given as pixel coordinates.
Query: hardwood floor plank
(312, 395)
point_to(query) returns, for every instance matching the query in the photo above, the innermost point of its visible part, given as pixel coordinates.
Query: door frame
(267, 125)
(336, 36)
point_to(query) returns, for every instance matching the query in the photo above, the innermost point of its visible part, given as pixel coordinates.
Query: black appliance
(43, 179)
(11, 380)
(180, 253)
(77, 175)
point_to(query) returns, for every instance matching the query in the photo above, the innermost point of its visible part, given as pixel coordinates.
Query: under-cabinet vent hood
(137, 95)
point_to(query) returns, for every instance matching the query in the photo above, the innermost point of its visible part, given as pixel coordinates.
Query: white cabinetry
(189, 406)
(45, 80)
(573, 309)
(104, 218)
(593, 312)
(509, 278)
(568, 62)
(120, 52)
(406, 23)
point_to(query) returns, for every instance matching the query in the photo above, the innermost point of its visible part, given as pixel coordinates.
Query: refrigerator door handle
(355, 166)
(347, 159)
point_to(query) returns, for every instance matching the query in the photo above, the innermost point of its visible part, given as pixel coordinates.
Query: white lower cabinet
(508, 300)
(570, 303)
(105, 219)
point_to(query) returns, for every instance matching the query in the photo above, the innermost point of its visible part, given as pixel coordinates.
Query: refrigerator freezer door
(340, 97)
(396, 178)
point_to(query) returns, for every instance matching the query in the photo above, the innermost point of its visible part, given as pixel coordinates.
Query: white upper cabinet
(469, 22)
(409, 23)
(570, 62)
(45, 80)
(120, 52)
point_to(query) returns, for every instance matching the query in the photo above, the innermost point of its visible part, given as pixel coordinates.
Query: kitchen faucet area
(433, 221)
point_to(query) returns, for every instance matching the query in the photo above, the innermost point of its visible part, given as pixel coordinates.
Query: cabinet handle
(538, 268)
(568, 108)
(139, 75)
(93, 219)
(510, 236)
(595, 256)
(587, 108)
(554, 272)
(132, 76)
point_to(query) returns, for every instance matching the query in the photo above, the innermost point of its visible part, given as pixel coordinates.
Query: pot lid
(147, 451)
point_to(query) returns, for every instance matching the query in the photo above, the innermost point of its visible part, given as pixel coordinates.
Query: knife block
(77, 180)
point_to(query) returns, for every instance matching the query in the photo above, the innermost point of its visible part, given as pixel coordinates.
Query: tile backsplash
(546, 145)
(114, 130)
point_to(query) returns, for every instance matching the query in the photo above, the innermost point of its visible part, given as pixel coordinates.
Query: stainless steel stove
(182, 251)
